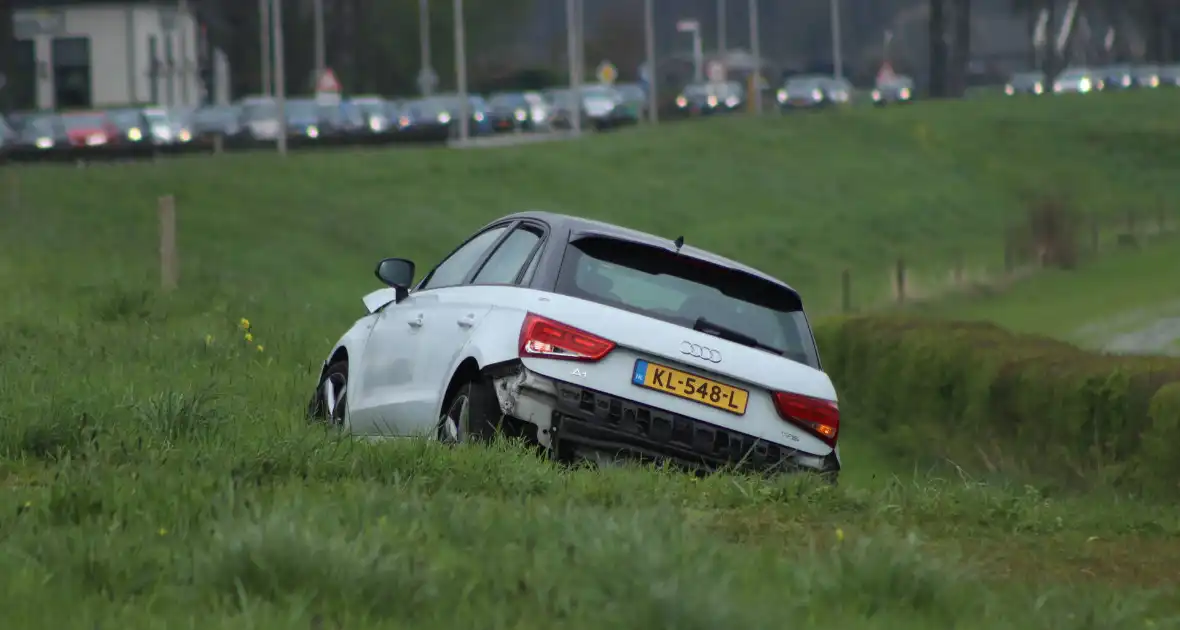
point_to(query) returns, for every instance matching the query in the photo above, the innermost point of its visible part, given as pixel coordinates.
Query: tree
(7, 54)
(961, 54)
(938, 49)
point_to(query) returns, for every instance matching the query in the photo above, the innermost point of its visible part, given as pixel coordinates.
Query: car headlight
(905, 93)
(134, 134)
(44, 143)
(1009, 90)
(539, 114)
(96, 140)
(1154, 81)
(1057, 87)
(444, 118)
(712, 100)
(376, 123)
(403, 122)
(185, 135)
(1126, 81)
(1038, 88)
(732, 101)
(478, 116)
(1084, 85)
(313, 131)
(876, 95)
(782, 96)
(817, 95)
(520, 115)
(681, 101)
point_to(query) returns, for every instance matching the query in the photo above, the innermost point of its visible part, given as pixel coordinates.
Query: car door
(396, 396)
(458, 310)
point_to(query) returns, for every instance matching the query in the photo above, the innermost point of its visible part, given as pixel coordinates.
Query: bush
(979, 395)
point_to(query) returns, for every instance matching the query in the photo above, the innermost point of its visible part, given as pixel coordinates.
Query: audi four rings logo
(700, 352)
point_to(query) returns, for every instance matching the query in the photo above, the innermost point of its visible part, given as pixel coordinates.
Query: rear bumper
(577, 422)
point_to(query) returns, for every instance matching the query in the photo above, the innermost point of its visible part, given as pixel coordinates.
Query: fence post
(900, 280)
(169, 263)
(846, 291)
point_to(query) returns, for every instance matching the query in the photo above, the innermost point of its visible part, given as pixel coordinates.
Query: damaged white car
(594, 342)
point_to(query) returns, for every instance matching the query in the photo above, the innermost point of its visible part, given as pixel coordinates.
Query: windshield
(156, 116)
(509, 100)
(84, 121)
(38, 125)
(632, 92)
(214, 115)
(370, 107)
(679, 290)
(260, 110)
(1027, 77)
(124, 118)
(1075, 75)
(599, 91)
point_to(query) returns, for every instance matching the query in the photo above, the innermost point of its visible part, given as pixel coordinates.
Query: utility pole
(426, 69)
(280, 75)
(461, 74)
(756, 50)
(264, 21)
(649, 36)
(572, 28)
(321, 62)
(722, 14)
(837, 46)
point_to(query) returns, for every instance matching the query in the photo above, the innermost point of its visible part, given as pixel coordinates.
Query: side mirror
(397, 273)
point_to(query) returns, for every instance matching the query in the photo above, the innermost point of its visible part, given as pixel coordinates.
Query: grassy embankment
(157, 470)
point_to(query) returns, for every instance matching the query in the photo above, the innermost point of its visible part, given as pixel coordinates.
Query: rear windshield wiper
(729, 334)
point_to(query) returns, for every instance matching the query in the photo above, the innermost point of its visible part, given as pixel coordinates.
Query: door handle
(467, 321)
(416, 322)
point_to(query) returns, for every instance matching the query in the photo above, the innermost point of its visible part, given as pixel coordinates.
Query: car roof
(581, 226)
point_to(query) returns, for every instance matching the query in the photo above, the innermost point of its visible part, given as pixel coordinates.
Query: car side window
(455, 268)
(504, 265)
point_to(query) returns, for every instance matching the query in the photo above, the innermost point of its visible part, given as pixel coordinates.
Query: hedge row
(977, 394)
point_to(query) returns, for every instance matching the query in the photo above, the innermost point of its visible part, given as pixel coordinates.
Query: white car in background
(594, 341)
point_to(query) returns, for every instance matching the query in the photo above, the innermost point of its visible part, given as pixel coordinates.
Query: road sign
(885, 74)
(715, 71)
(688, 26)
(607, 72)
(427, 80)
(327, 87)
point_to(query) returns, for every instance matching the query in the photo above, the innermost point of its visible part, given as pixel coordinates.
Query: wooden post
(169, 263)
(900, 280)
(846, 291)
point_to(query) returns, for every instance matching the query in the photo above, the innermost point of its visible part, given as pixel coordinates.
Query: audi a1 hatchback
(593, 341)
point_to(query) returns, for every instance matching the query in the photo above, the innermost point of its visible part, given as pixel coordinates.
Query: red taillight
(547, 339)
(819, 416)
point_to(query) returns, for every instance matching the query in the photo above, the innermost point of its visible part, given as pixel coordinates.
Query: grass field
(1125, 301)
(157, 470)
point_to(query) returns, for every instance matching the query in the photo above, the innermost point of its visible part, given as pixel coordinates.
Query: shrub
(978, 394)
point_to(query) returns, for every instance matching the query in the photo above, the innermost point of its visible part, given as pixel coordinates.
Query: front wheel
(329, 402)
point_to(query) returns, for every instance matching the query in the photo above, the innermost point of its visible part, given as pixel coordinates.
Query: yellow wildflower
(28, 504)
(249, 337)
(839, 535)
(244, 324)
(162, 532)
(208, 340)
(260, 348)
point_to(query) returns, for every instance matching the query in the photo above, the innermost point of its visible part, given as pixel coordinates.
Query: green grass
(1120, 293)
(157, 470)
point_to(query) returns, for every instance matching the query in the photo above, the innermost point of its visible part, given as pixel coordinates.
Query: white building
(103, 54)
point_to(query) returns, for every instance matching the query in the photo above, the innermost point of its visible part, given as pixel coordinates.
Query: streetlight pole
(721, 29)
(756, 51)
(264, 39)
(280, 74)
(571, 29)
(461, 74)
(424, 41)
(321, 54)
(649, 36)
(837, 46)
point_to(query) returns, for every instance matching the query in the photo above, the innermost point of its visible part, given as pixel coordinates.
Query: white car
(595, 342)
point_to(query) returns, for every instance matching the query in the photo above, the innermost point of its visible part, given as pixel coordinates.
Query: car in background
(812, 92)
(7, 137)
(479, 121)
(425, 119)
(91, 131)
(135, 130)
(375, 118)
(896, 89)
(1025, 83)
(211, 121)
(39, 132)
(599, 107)
(1116, 77)
(260, 119)
(509, 111)
(312, 121)
(1077, 80)
(634, 99)
(1170, 76)
(592, 342)
(706, 99)
(1145, 77)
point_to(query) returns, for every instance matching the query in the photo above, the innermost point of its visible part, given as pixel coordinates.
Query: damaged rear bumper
(576, 422)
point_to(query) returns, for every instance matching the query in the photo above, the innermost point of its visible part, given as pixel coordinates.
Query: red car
(89, 129)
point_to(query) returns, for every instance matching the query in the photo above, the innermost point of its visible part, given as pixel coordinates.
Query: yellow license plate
(690, 387)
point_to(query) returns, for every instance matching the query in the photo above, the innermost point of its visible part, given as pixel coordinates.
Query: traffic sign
(327, 83)
(715, 70)
(427, 80)
(688, 26)
(885, 74)
(607, 72)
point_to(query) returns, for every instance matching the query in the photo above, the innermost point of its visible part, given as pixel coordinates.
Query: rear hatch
(695, 338)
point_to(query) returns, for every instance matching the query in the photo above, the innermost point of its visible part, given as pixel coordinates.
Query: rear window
(680, 290)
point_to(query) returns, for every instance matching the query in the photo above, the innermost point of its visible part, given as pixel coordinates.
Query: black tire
(482, 420)
(317, 409)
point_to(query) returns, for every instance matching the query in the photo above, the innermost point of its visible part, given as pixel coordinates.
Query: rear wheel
(471, 414)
